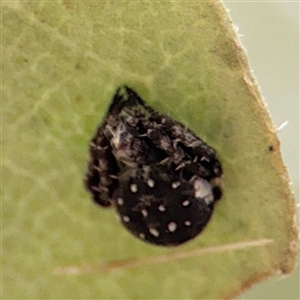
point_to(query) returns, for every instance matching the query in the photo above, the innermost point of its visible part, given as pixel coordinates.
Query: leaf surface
(63, 61)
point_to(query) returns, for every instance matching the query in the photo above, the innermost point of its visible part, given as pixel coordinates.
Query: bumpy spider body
(160, 177)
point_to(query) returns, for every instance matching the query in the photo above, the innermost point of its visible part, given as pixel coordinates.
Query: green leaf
(63, 61)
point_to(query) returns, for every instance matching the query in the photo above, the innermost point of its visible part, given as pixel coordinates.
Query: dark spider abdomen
(161, 210)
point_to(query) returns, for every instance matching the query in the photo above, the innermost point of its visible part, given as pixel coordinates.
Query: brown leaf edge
(289, 260)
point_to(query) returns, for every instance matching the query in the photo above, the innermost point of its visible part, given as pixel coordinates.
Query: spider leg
(101, 175)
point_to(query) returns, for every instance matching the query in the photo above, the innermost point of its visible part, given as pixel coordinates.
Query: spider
(162, 180)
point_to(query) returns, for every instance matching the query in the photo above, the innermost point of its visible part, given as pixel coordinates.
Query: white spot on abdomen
(202, 189)
(185, 203)
(175, 184)
(150, 182)
(120, 201)
(144, 213)
(126, 219)
(154, 231)
(133, 188)
(187, 223)
(172, 226)
(162, 208)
